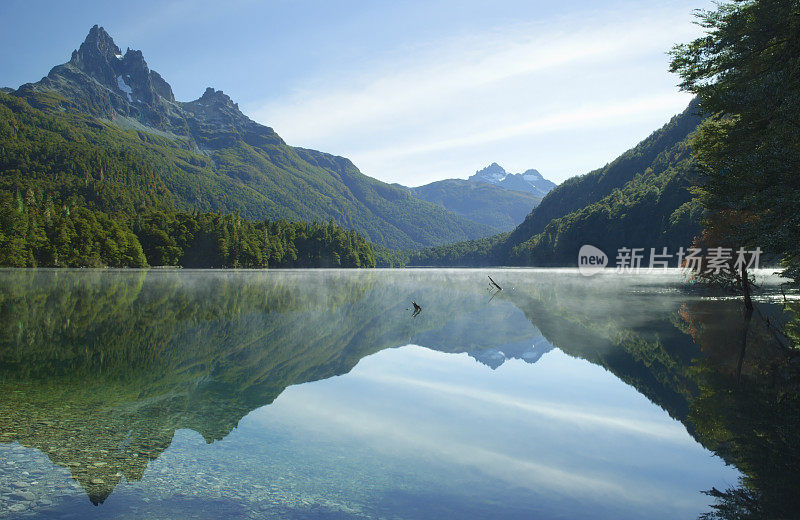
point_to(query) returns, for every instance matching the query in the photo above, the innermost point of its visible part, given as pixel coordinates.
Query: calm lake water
(322, 394)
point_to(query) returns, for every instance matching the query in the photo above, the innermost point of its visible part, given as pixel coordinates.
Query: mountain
(487, 204)
(530, 181)
(527, 351)
(641, 199)
(492, 196)
(107, 108)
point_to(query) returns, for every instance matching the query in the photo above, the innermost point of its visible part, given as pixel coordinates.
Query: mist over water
(325, 394)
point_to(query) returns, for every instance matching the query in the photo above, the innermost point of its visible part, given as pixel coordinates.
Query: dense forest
(36, 232)
(76, 192)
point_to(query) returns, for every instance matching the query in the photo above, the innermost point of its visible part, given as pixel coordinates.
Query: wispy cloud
(463, 100)
(607, 116)
(392, 431)
(613, 421)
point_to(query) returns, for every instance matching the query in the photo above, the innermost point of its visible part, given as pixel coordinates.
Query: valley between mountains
(101, 165)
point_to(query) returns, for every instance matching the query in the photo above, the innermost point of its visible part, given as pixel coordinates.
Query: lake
(323, 394)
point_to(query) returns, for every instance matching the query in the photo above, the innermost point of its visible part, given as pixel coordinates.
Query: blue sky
(410, 91)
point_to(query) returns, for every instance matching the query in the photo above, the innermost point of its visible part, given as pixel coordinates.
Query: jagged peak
(492, 173)
(210, 93)
(98, 35)
(134, 54)
(128, 75)
(216, 97)
(98, 43)
(98, 52)
(161, 87)
(133, 60)
(494, 167)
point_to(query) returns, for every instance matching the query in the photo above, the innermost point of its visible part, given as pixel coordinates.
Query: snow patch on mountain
(530, 180)
(125, 88)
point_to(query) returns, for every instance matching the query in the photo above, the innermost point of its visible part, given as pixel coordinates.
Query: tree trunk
(748, 303)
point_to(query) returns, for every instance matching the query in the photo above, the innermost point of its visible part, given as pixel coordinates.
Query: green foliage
(654, 210)
(579, 192)
(80, 192)
(744, 71)
(210, 240)
(475, 253)
(497, 207)
(74, 157)
(36, 232)
(748, 411)
(385, 257)
(641, 199)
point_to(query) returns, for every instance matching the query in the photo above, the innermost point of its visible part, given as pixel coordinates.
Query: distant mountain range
(487, 204)
(527, 351)
(641, 199)
(203, 155)
(491, 196)
(530, 181)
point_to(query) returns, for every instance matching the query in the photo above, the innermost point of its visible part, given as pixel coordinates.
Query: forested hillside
(105, 130)
(641, 199)
(77, 191)
(500, 208)
(653, 155)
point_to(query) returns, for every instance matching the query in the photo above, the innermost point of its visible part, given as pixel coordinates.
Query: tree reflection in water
(101, 368)
(748, 410)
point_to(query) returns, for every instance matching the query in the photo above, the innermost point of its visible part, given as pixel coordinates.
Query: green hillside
(487, 204)
(647, 157)
(106, 130)
(641, 199)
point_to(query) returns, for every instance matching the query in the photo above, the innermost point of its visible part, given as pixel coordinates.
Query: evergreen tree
(745, 73)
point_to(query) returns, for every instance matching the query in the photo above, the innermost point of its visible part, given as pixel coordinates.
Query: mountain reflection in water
(99, 369)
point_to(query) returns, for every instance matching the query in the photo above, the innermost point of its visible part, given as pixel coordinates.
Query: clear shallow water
(316, 394)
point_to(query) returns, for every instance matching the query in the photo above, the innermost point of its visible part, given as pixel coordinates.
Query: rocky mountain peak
(104, 82)
(98, 42)
(530, 181)
(135, 58)
(96, 56)
(492, 173)
(493, 168)
(161, 87)
(126, 75)
(217, 97)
